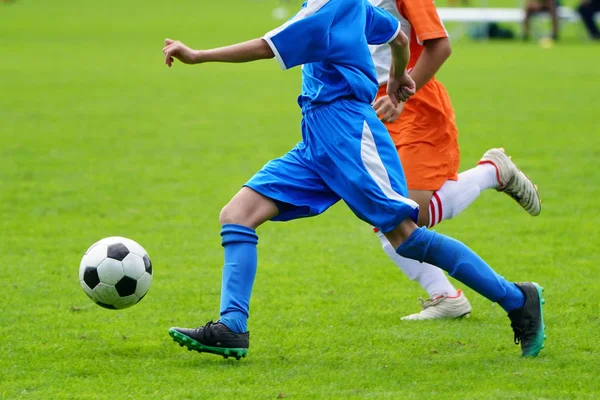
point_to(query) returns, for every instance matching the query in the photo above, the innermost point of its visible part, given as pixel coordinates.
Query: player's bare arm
(252, 50)
(400, 84)
(434, 55)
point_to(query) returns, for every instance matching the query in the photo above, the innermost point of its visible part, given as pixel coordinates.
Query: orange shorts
(426, 138)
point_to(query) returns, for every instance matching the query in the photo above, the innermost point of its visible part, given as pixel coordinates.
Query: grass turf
(98, 138)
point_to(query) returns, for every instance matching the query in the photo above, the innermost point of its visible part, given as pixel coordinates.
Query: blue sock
(239, 243)
(462, 264)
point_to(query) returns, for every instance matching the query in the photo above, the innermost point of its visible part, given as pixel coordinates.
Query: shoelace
(519, 332)
(205, 329)
(431, 302)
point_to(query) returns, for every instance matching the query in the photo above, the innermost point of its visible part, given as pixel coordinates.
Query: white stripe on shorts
(375, 168)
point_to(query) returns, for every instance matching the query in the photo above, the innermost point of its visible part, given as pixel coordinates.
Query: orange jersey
(425, 135)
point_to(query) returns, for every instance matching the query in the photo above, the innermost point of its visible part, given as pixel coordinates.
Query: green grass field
(99, 138)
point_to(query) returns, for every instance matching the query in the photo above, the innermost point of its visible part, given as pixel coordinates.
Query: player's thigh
(293, 185)
(358, 161)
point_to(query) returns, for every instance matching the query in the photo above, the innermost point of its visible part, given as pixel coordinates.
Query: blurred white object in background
(280, 13)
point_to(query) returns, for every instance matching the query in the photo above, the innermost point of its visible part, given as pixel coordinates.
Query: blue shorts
(346, 153)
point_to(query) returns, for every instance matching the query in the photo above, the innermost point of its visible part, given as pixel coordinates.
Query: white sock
(431, 278)
(454, 196)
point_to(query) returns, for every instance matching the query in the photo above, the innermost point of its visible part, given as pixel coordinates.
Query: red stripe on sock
(440, 210)
(431, 214)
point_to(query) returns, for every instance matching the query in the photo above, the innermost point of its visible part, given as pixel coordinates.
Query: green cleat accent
(528, 321)
(193, 344)
(541, 335)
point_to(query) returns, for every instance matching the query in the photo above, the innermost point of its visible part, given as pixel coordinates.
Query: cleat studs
(543, 301)
(501, 149)
(238, 358)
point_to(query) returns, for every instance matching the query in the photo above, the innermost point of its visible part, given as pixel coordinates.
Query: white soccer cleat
(443, 307)
(513, 181)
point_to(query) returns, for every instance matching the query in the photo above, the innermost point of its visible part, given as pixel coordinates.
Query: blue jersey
(330, 39)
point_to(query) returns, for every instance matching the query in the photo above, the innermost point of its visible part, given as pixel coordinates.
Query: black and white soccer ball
(115, 272)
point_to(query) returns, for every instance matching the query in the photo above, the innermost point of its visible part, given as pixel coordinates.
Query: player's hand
(400, 88)
(386, 110)
(174, 49)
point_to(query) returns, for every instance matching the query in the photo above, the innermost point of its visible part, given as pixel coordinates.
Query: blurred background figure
(587, 9)
(533, 7)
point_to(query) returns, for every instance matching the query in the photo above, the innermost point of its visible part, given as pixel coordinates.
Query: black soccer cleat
(215, 338)
(528, 321)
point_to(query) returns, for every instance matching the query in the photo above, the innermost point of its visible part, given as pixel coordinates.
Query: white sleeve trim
(395, 35)
(276, 52)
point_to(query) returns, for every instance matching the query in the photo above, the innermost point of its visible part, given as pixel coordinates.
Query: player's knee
(231, 214)
(402, 232)
(248, 208)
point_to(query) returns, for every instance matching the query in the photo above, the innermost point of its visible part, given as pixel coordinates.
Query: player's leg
(229, 336)
(444, 301)
(285, 189)
(453, 197)
(239, 219)
(552, 7)
(522, 301)
(374, 187)
(427, 142)
(531, 7)
(494, 171)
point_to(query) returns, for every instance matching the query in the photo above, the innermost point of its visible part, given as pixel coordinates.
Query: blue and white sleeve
(304, 38)
(382, 27)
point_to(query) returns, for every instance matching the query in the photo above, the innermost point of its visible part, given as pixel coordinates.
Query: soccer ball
(115, 272)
